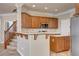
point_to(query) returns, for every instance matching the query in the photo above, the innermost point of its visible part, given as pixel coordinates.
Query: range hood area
(44, 25)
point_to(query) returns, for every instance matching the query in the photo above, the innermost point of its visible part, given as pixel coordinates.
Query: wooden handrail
(20, 34)
(8, 35)
(10, 26)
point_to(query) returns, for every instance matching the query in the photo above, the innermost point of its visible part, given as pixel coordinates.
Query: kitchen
(50, 34)
(42, 29)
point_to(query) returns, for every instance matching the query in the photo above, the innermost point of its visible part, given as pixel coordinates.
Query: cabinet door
(60, 44)
(26, 20)
(35, 22)
(53, 23)
(43, 20)
(77, 7)
(67, 43)
(53, 44)
(23, 20)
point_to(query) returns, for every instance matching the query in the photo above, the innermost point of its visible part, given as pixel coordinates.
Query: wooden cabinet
(67, 43)
(35, 22)
(53, 22)
(38, 21)
(43, 20)
(59, 44)
(26, 20)
(77, 8)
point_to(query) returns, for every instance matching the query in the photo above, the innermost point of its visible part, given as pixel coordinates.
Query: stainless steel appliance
(74, 30)
(44, 26)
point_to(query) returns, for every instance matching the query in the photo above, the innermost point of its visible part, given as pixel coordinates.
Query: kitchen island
(37, 42)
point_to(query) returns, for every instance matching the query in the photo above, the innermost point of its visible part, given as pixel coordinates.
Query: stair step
(13, 44)
(11, 47)
(14, 40)
(14, 37)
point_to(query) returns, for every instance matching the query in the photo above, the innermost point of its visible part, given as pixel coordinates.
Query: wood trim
(45, 17)
(26, 13)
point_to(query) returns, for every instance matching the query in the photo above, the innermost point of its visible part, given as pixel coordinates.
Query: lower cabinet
(59, 44)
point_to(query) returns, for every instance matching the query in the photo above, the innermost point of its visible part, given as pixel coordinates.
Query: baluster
(21, 35)
(26, 36)
(35, 36)
(46, 36)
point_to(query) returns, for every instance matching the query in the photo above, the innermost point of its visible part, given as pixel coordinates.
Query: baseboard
(20, 52)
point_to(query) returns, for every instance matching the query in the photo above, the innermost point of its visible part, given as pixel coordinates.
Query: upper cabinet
(38, 21)
(26, 20)
(77, 7)
(43, 20)
(53, 22)
(35, 22)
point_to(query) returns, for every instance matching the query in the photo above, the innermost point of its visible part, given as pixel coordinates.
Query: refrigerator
(74, 32)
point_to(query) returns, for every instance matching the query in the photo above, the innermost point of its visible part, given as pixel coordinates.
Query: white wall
(40, 46)
(31, 47)
(1, 30)
(23, 46)
(65, 18)
(4, 19)
(65, 26)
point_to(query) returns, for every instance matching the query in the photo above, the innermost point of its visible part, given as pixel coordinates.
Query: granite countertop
(41, 33)
(59, 35)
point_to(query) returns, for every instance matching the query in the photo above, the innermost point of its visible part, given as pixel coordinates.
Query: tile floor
(8, 52)
(13, 52)
(65, 53)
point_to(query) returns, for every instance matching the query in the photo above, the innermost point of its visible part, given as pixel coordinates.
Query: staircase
(13, 43)
(9, 34)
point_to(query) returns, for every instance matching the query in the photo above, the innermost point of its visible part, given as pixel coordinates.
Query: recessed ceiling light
(56, 9)
(45, 8)
(33, 5)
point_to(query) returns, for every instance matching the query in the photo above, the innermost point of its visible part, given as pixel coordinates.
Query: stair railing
(8, 34)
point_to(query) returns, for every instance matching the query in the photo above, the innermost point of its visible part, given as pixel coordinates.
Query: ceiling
(53, 8)
(61, 7)
(6, 7)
